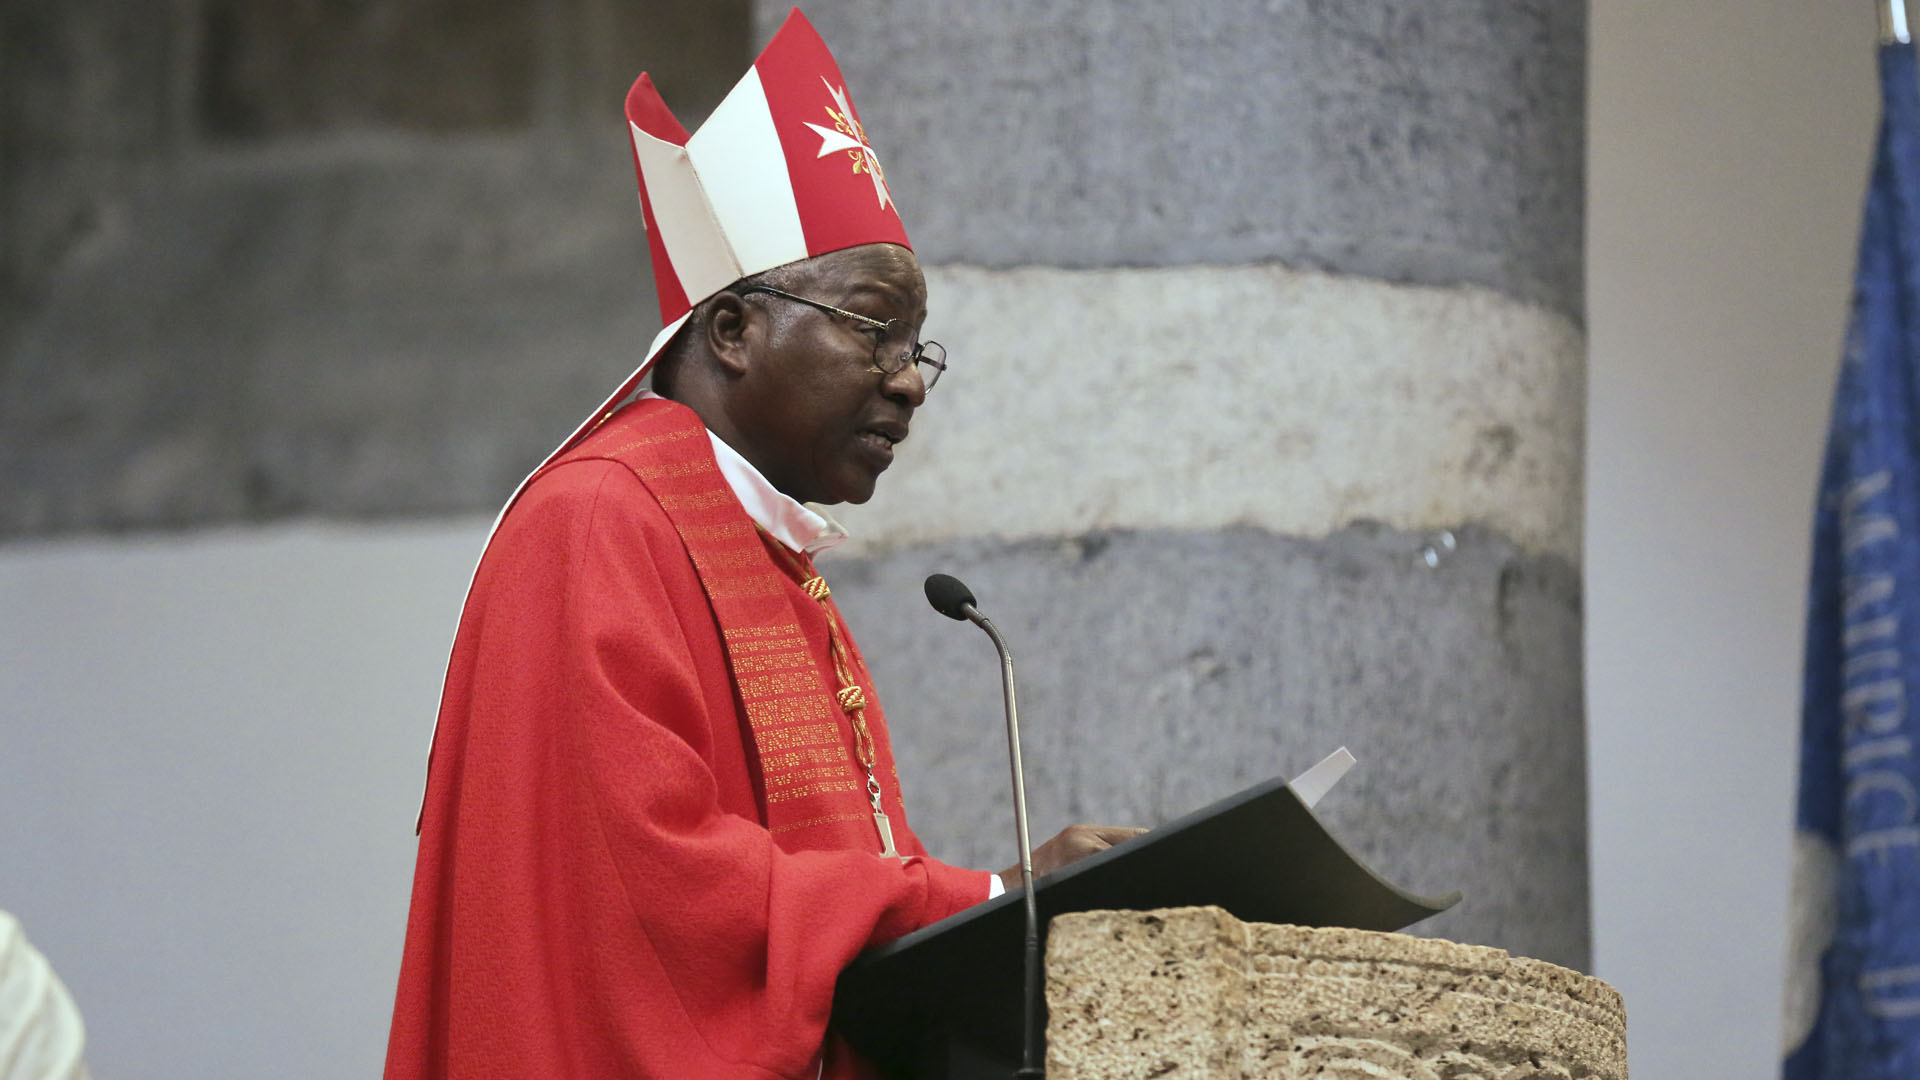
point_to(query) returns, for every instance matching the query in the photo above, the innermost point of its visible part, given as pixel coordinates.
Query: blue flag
(1853, 995)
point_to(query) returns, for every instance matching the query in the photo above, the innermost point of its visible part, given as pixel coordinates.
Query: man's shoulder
(606, 464)
(643, 432)
(632, 482)
(589, 517)
(579, 496)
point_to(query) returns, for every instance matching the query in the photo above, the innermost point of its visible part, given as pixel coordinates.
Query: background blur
(295, 293)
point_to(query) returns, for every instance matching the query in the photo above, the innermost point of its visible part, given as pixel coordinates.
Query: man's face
(820, 420)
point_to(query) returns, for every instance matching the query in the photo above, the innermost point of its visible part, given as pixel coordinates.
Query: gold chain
(852, 698)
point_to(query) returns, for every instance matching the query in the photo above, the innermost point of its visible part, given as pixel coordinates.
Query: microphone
(950, 597)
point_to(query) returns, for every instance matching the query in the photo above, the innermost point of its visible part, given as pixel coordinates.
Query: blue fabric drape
(1859, 796)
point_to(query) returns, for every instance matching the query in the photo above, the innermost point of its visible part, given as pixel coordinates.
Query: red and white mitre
(781, 171)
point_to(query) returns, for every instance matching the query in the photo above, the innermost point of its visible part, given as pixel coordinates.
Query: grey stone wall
(354, 260)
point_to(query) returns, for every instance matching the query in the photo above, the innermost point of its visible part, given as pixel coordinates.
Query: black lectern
(943, 1003)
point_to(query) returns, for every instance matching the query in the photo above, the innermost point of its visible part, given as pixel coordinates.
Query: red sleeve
(590, 900)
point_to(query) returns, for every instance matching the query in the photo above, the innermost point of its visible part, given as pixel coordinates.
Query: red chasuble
(647, 848)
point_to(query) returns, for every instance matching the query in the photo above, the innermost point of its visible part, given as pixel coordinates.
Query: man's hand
(1074, 843)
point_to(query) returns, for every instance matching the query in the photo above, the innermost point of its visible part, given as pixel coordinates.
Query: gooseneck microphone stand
(954, 600)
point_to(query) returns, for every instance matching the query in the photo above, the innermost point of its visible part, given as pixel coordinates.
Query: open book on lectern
(1261, 854)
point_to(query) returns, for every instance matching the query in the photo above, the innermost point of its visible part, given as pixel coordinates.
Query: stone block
(307, 66)
(86, 102)
(1435, 141)
(1198, 397)
(392, 327)
(694, 50)
(301, 66)
(1195, 994)
(1160, 670)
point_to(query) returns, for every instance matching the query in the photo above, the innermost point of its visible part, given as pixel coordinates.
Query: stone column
(1264, 428)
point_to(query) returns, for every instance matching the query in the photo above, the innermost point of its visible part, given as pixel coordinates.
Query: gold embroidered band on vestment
(808, 775)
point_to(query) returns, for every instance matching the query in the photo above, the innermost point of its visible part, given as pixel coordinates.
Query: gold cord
(853, 699)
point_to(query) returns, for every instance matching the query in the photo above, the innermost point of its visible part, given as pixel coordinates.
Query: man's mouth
(883, 436)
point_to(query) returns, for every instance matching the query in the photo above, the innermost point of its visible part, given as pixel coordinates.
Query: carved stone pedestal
(1195, 994)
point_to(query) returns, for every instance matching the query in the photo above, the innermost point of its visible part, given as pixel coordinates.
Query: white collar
(797, 526)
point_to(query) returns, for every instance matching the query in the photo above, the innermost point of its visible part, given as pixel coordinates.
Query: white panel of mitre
(695, 243)
(741, 166)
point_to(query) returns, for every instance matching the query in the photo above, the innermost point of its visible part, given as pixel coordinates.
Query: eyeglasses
(893, 345)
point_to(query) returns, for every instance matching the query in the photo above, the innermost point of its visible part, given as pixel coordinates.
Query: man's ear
(733, 330)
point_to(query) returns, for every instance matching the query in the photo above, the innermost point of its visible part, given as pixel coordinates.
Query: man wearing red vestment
(662, 812)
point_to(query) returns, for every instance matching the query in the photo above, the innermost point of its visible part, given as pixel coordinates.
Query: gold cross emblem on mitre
(847, 135)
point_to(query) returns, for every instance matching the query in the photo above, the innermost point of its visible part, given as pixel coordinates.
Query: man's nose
(905, 385)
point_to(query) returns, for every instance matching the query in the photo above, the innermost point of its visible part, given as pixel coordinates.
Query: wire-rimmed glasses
(893, 348)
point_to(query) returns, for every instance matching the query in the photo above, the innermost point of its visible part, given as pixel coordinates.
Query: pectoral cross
(886, 835)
